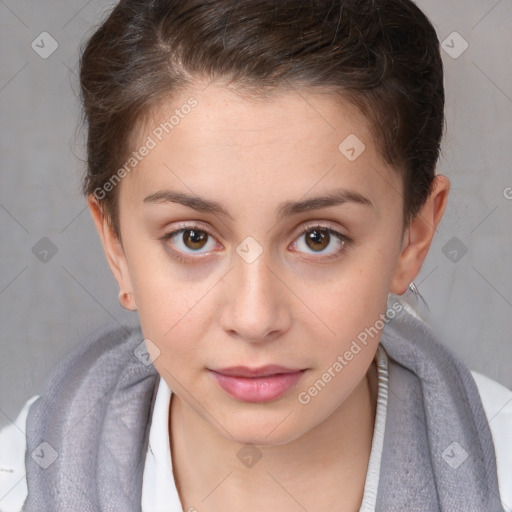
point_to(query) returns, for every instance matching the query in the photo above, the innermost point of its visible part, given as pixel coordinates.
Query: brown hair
(382, 55)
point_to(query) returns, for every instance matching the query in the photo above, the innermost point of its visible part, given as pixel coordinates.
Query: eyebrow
(285, 209)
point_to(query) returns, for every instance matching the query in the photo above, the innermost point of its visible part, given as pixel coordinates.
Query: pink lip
(262, 371)
(257, 384)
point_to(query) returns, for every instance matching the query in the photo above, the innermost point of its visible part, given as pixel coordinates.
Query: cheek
(179, 331)
(173, 314)
(166, 297)
(350, 299)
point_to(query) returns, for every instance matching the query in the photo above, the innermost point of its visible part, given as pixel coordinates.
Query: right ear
(113, 248)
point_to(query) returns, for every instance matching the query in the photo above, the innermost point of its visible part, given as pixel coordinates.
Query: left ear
(419, 235)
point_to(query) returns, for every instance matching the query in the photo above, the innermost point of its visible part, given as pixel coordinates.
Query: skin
(295, 305)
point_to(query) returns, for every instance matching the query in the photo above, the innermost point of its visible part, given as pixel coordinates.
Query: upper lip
(261, 371)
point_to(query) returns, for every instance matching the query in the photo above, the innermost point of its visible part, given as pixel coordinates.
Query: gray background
(46, 307)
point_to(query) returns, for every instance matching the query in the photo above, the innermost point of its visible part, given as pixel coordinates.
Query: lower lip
(258, 389)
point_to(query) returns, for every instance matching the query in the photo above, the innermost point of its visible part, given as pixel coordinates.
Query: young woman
(262, 177)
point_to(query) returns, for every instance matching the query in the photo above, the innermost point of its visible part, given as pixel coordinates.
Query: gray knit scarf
(96, 412)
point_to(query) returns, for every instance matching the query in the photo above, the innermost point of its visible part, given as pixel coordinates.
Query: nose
(256, 307)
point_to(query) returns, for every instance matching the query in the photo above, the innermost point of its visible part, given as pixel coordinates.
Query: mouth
(257, 385)
(261, 371)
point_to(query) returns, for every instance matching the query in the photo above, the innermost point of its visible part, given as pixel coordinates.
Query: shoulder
(96, 363)
(497, 404)
(95, 351)
(13, 484)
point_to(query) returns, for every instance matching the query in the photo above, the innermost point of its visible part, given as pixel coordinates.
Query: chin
(262, 439)
(260, 429)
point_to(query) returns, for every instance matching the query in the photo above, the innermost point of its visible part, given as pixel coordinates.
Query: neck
(330, 460)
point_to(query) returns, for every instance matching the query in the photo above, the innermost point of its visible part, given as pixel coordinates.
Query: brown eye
(320, 240)
(317, 239)
(194, 239)
(189, 240)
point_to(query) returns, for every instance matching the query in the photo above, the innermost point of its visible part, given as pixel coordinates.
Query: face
(235, 260)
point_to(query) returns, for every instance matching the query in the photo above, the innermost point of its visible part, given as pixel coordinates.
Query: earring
(414, 289)
(124, 298)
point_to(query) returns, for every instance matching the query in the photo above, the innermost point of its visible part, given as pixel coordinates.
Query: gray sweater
(96, 412)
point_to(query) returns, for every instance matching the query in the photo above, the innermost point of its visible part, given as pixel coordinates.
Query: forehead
(285, 144)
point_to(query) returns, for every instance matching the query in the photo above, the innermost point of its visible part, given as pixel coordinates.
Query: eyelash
(305, 229)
